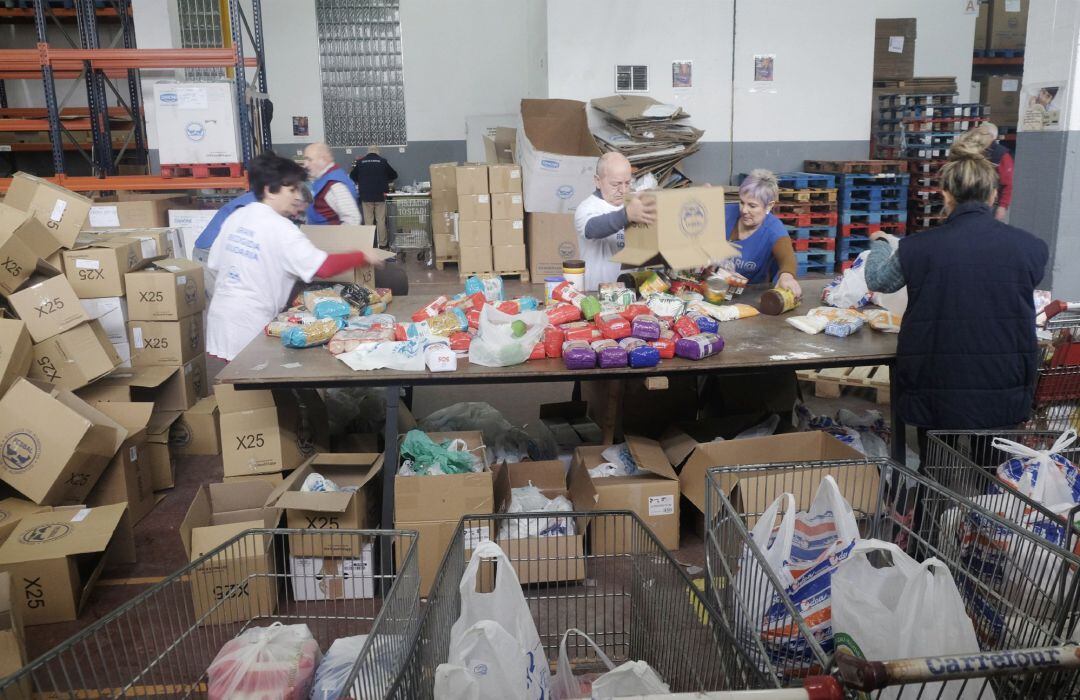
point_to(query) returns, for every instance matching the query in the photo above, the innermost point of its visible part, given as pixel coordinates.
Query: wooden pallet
(202, 170)
(440, 263)
(523, 274)
(855, 166)
(808, 195)
(828, 383)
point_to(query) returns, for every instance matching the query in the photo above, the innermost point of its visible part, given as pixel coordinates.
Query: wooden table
(758, 343)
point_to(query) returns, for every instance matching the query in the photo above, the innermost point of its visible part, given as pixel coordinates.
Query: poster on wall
(1041, 106)
(299, 126)
(682, 74)
(763, 67)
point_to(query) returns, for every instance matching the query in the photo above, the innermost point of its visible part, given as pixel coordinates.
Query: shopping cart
(162, 642)
(1016, 601)
(409, 222)
(635, 603)
(1057, 390)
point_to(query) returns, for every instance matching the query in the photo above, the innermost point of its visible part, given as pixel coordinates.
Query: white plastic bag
(848, 291)
(506, 606)
(529, 499)
(486, 664)
(901, 610)
(495, 344)
(334, 670)
(262, 662)
(1044, 476)
(632, 678)
(406, 355)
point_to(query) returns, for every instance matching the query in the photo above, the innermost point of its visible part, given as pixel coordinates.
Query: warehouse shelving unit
(100, 66)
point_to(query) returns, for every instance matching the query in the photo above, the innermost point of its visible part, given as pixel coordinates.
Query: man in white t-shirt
(260, 255)
(600, 220)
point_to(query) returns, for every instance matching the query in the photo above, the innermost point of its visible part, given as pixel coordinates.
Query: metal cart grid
(163, 641)
(1005, 596)
(622, 588)
(409, 223)
(1057, 389)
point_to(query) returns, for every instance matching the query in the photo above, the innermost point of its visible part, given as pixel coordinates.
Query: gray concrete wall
(1045, 165)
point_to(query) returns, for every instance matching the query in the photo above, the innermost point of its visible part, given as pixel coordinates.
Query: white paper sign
(1012, 5)
(81, 515)
(149, 248)
(1010, 85)
(661, 505)
(137, 336)
(517, 225)
(482, 198)
(516, 199)
(104, 217)
(191, 98)
(87, 264)
(896, 44)
(58, 210)
(515, 174)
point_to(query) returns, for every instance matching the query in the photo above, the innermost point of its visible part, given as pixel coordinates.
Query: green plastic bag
(427, 454)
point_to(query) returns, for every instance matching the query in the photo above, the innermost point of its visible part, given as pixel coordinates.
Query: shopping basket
(409, 221)
(1013, 600)
(1057, 389)
(635, 602)
(162, 642)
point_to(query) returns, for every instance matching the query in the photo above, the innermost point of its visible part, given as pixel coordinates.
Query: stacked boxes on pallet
(474, 219)
(807, 206)
(444, 212)
(507, 219)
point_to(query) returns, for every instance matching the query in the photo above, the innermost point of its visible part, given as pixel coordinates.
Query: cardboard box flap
(133, 416)
(209, 537)
(288, 494)
(144, 377)
(62, 532)
(344, 238)
(225, 497)
(159, 424)
(232, 400)
(14, 509)
(104, 436)
(333, 502)
(678, 446)
(205, 406)
(558, 126)
(858, 482)
(649, 456)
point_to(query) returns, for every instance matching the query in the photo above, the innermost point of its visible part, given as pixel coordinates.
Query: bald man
(601, 219)
(333, 193)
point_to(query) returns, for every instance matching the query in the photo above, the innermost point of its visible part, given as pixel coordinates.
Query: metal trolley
(408, 219)
(162, 642)
(1023, 612)
(1057, 391)
(623, 589)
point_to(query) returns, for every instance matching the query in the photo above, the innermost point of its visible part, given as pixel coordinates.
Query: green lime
(518, 328)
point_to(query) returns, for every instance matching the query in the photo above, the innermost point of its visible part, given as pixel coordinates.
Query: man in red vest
(333, 193)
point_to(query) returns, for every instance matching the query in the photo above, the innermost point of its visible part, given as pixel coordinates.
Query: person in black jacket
(373, 175)
(967, 355)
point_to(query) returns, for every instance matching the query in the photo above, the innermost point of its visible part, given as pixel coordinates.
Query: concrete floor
(158, 544)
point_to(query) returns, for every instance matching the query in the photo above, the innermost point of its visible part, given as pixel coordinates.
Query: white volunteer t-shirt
(597, 253)
(258, 257)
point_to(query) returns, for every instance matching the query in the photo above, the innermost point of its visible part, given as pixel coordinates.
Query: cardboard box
(472, 260)
(168, 343)
(557, 154)
(982, 26)
(56, 445)
(74, 358)
(474, 234)
(507, 206)
(127, 479)
(570, 424)
(894, 49)
(168, 291)
(168, 388)
(689, 229)
(12, 640)
(98, 270)
(318, 578)
(1002, 94)
(443, 176)
(111, 312)
(474, 207)
(504, 178)
(198, 431)
(154, 243)
(16, 352)
(432, 539)
(652, 493)
(443, 223)
(265, 432)
(507, 232)
(196, 122)
(12, 510)
(57, 556)
(61, 211)
(443, 201)
(335, 510)
(500, 146)
(48, 306)
(158, 454)
(34, 234)
(237, 584)
(471, 178)
(345, 239)
(445, 247)
(448, 496)
(551, 239)
(509, 258)
(17, 260)
(1008, 24)
(143, 213)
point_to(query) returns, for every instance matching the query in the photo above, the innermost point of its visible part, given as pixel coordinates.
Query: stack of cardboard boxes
(474, 219)
(444, 212)
(491, 215)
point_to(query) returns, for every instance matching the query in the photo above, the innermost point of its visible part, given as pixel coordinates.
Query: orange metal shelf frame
(141, 183)
(67, 63)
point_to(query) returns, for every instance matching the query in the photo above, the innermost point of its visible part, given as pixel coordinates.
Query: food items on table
(665, 344)
(841, 328)
(882, 320)
(645, 327)
(549, 286)
(589, 306)
(578, 354)
(640, 353)
(432, 309)
(609, 354)
(553, 341)
(613, 326)
(634, 310)
(617, 294)
(347, 339)
(654, 283)
(808, 324)
(686, 326)
(310, 334)
(698, 347)
(336, 308)
(705, 324)
(666, 305)
(777, 301)
(440, 358)
(448, 323)
(573, 272)
(579, 330)
(539, 352)
(729, 312)
(460, 341)
(491, 286)
(563, 313)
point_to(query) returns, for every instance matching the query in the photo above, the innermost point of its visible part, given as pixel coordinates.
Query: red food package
(473, 315)
(665, 344)
(563, 313)
(434, 308)
(511, 306)
(579, 330)
(539, 352)
(686, 327)
(613, 326)
(553, 340)
(460, 341)
(399, 332)
(634, 310)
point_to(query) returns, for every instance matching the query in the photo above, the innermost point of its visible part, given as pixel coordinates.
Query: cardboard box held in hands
(348, 239)
(689, 231)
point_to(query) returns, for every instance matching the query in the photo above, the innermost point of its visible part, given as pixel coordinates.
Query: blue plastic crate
(802, 232)
(802, 181)
(873, 217)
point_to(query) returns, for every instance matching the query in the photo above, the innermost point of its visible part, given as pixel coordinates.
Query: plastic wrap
(317, 483)
(553, 341)
(590, 306)
(634, 310)
(420, 455)
(665, 305)
(700, 346)
(407, 356)
(729, 312)
(311, 334)
(705, 324)
(504, 441)
(446, 324)
(498, 342)
(440, 358)
(349, 339)
(645, 327)
(357, 296)
(578, 354)
(808, 324)
(841, 328)
(665, 344)
(459, 342)
(312, 295)
(613, 326)
(563, 313)
(430, 310)
(529, 499)
(265, 662)
(491, 286)
(609, 354)
(616, 293)
(336, 309)
(639, 353)
(578, 330)
(882, 320)
(686, 327)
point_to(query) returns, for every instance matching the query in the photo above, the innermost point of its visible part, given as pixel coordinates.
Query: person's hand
(879, 236)
(640, 211)
(374, 261)
(787, 281)
(1000, 213)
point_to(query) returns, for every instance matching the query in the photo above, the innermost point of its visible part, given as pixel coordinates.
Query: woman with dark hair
(967, 354)
(260, 255)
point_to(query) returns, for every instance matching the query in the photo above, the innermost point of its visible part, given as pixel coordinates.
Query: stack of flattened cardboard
(649, 133)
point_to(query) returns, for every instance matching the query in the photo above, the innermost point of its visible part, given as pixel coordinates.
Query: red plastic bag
(278, 661)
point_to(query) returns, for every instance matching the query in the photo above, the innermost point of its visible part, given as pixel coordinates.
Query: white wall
(1051, 52)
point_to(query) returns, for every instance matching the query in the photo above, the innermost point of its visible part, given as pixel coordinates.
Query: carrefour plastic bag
(503, 339)
(265, 662)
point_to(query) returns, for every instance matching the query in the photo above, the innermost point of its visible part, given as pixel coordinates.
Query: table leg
(898, 449)
(391, 395)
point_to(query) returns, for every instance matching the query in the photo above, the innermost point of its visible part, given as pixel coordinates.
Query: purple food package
(578, 355)
(639, 353)
(609, 354)
(705, 324)
(699, 346)
(645, 326)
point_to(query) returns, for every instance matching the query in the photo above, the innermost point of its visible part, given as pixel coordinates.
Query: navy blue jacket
(372, 175)
(967, 354)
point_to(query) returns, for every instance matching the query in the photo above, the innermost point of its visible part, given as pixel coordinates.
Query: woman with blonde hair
(967, 356)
